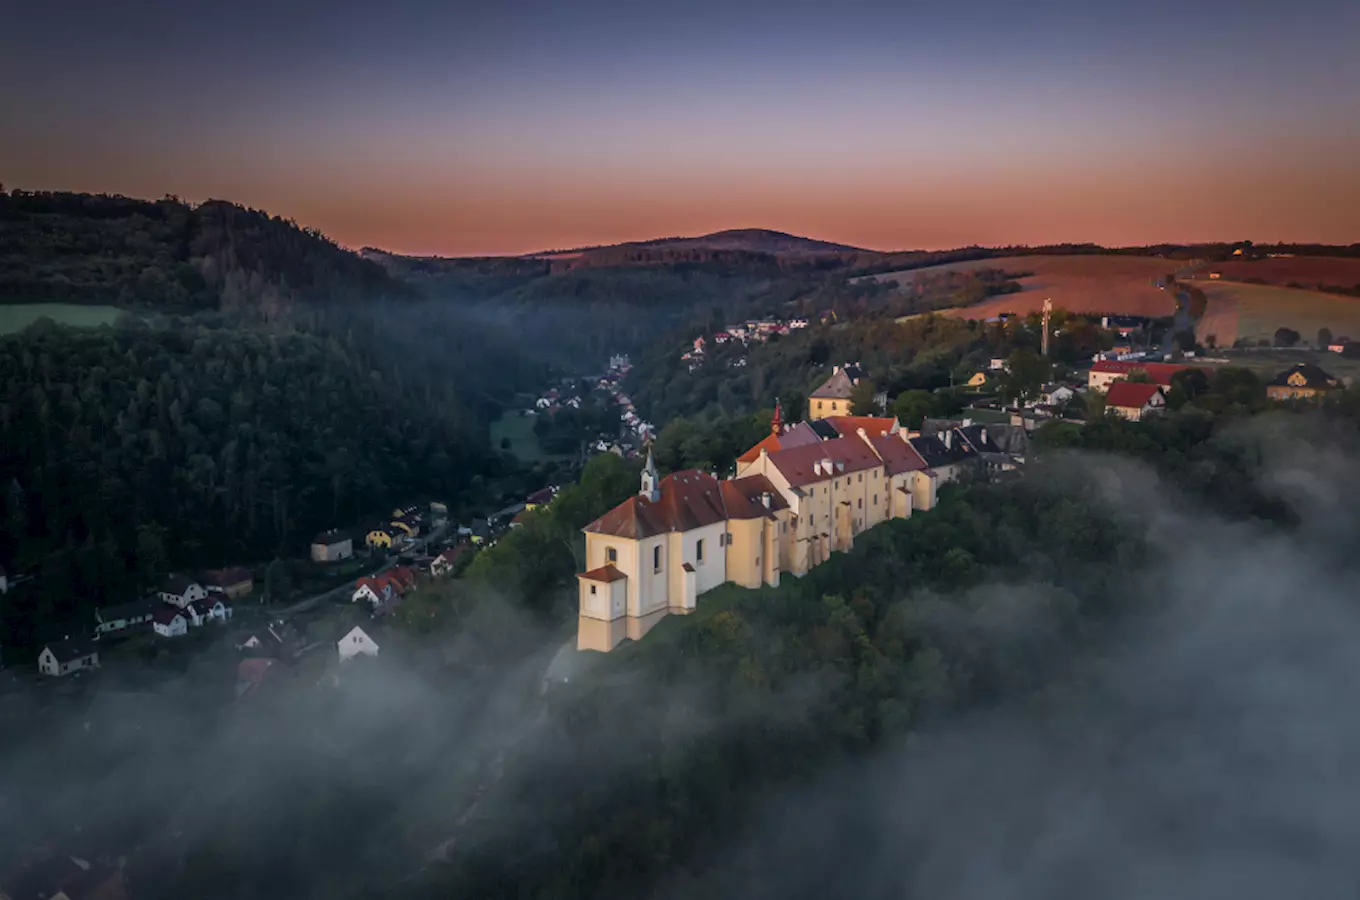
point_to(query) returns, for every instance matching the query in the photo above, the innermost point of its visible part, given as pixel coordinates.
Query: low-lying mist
(1197, 746)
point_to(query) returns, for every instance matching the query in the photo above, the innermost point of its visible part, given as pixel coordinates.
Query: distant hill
(169, 256)
(738, 245)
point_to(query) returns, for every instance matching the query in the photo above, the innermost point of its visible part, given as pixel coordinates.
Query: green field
(523, 442)
(1255, 311)
(20, 316)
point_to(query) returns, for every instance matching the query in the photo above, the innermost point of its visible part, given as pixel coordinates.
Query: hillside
(168, 256)
(747, 240)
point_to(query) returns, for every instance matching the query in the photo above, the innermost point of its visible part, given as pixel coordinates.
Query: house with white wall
(356, 643)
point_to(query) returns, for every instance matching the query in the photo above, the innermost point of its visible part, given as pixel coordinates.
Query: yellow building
(978, 380)
(1303, 381)
(407, 527)
(787, 510)
(833, 397)
(379, 538)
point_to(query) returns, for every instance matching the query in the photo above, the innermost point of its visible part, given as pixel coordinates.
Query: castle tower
(651, 481)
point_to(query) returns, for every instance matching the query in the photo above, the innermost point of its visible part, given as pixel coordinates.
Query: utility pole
(1048, 310)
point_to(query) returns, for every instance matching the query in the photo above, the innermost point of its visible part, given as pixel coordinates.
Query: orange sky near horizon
(454, 129)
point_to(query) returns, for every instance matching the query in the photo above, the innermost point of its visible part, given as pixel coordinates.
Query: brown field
(1255, 311)
(1315, 272)
(1118, 285)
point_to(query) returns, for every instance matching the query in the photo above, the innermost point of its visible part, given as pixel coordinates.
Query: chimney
(835, 370)
(965, 423)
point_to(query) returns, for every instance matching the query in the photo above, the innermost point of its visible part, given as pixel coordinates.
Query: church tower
(777, 423)
(651, 481)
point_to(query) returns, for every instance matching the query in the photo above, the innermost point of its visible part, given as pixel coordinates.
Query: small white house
(332, 546)
(181, 590)
(442, 564)
(170, 622)
(65, 657)
(356, 643)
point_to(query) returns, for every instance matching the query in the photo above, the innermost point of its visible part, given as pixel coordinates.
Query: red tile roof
(166, 614)
(606, 573)
(689, 499)
(897, 454)
(799, 466)
(769, 444)
(848, 426)
(1131, 394)
(744, 497)
(1159, 373)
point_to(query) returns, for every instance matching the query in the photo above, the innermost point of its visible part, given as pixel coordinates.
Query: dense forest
(128, 450)
(172, 257)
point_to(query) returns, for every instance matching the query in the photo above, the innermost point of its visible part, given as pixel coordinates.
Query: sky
(455, 128)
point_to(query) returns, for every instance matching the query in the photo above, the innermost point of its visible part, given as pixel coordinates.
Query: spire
(777, 423)
(651, 482)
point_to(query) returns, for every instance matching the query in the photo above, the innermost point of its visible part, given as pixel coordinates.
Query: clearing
(20, 316)
(1254, 312)
(1091, 283)
(519, 430)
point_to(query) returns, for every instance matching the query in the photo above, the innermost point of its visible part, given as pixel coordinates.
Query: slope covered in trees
(129, 450)
(172, 257)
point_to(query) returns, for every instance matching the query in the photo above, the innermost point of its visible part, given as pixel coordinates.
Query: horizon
(453, 130)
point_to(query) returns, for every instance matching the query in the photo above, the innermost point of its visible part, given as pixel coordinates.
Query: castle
(804, 492)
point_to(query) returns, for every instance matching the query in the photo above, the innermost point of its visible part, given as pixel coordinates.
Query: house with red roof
(1107, 371)
(799, 495)
(1133, 400)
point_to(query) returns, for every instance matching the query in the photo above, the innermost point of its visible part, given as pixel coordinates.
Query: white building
(332, 546)
(170, 622)
(356, 643)
(181, 590)
(65, 657)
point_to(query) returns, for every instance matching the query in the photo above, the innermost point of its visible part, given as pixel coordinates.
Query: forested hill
(171, 257)
(128, 451)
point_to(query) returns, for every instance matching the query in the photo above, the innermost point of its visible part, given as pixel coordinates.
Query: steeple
(777, 423)
(651, 481)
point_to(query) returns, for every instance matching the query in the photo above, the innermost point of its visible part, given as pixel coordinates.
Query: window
(859, 504)
(699, 551)
(592, 588)
(875, 498)
(656, 559)
(819, 404)
(612, 555)
(860, 478)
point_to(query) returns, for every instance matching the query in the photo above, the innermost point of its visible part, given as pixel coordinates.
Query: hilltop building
(833, 397)
(798, 496)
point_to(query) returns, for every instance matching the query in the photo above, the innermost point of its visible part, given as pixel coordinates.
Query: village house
(540, 497)
(356, 643)
(832, 398)
(170, 621)
(64, 657)
(215, 608)
(1302, 381)
(332, 546)
(180, 589)
(110, 619)
(978, 380)
(787, 509)
(1336, 346)
(234, 582)
(1134, 400)
(406, 526)
(1106, 372)
(380, 539)
(444, 563)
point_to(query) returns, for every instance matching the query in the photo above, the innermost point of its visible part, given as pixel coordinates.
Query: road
(346, 590)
